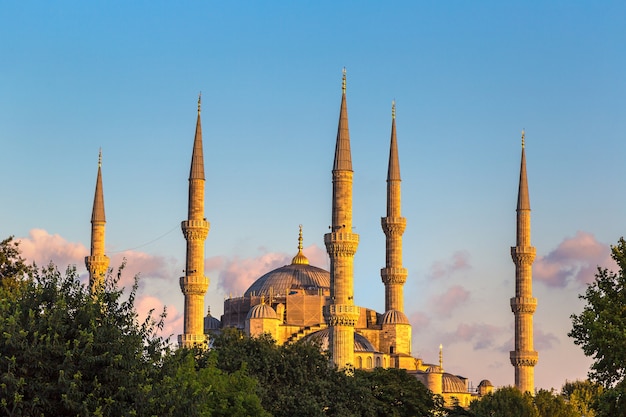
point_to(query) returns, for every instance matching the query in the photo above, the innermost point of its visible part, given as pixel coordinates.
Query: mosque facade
(300, 301)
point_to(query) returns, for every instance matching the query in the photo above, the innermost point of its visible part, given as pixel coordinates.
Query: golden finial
(263, 299)
(393, 109)
(343, 81)
(441, 357)
(300, 259)
(523, 134)
(100, 158)
(199, 101)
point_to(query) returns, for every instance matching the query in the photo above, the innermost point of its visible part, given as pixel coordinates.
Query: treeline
(67, 352)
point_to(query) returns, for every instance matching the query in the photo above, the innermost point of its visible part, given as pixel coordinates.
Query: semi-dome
(395, 317)
(361, 344)
(298, 275)
(262, 311)
(452, 383)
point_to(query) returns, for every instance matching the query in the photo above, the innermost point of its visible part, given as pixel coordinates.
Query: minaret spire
(393, 275)
(97, 262)
(341, 244)
(523, 305)
(195, 229)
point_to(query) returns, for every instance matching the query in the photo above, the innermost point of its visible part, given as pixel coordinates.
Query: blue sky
(467, 77)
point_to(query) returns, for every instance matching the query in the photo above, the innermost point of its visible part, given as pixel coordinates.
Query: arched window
(369, 362)
(359, 362)
(378, 361)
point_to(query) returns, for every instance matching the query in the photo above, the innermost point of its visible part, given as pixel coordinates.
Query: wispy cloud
(575, 260)
(444, 304)
(237, 274)
(480, 335)
(459, 261)
(42, 248)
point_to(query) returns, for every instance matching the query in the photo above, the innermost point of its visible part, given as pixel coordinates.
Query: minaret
(393, 275)
(523, 305)
(341, 244)
(194, 284)
(97, 263)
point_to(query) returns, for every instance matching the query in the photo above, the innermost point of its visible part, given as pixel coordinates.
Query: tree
(600, 330)
(397, 393)
(550, 404)
(65, 351)
(583, 396)
(13, 268)
(505, 402)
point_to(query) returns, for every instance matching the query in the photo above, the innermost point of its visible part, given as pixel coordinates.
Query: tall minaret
(194, 284)
(393, 275)
(523, 305)
(341, 244)
(97, 263)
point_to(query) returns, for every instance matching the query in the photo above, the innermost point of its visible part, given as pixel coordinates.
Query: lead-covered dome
(452, 383)
(298, 275)
(395, 317)
(262, 311)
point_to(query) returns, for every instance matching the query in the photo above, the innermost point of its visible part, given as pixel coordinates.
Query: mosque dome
(394, 317)
(452, 383)
(298, 275)
(211, 323)
(361, 344)
(262, 311)
(485, 383)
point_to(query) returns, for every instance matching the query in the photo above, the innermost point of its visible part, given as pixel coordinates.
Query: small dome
(261, 311)
(432, 369)
(361, 344)
(395, 317)
(452, 383)
(210, 322)
(485, 383)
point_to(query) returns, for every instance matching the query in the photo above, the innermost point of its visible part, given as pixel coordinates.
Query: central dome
(299, 275)
(282, 280)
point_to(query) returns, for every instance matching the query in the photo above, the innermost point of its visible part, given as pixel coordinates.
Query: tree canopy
(600, 330)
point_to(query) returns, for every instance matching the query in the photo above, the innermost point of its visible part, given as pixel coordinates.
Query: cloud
(459, 261)
(42, 248)
(575, 260)
(481, 336)
(173, 324)
(237, 274)
(443, 305)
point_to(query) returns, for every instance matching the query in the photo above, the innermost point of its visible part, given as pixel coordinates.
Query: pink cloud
(173, 321)
(459, 261)
(482, 336)
(575, 260)
(444, 304)
(237, 274)
(42, 248)
(419, 320)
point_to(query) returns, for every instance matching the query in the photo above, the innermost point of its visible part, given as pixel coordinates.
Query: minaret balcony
(341, 244)
(195, 229)
(524, 358)
(394, 275)
(523, 255)
(191, 340)
(341, 314)
(393, 226)
(194, 284)
(524, 305)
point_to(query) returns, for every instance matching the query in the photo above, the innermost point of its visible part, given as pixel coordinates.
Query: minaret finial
(199, 101)
(441, 357)
(343, 81)
(393, 108)
(523, 140)
(300, 259)
(100, 158)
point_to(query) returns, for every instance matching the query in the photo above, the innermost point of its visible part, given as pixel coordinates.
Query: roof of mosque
(262, 311)
(298, 275)
(394, 317)
(361, 344)
(452, 383)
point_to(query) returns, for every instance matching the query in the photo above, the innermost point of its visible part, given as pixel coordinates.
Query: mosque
(300, 301)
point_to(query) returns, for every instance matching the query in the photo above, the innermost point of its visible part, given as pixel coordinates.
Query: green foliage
(65, 352)
(298, 380)
(600, 330)
(13, 268)
(505, 402)
(550, 404)
(583, 396)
